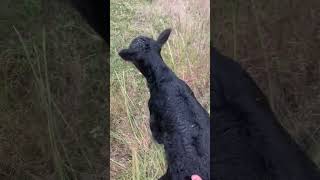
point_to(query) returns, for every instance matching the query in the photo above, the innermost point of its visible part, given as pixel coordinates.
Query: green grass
(53, 89)
(39, 66)
(52, 94)
(134, 155)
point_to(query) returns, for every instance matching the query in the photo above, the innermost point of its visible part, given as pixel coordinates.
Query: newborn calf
(177, 120)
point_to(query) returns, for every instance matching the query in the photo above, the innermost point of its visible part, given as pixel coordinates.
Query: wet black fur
(177, 120)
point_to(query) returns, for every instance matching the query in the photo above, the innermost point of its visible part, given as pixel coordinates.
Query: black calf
(96, 14)
(177, 120)
(248, 142)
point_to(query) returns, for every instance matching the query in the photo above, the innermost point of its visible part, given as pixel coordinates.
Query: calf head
(144, 50)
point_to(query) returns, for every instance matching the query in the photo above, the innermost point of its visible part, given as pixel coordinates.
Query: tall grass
(134, 155)
(39, 66)
(52, 95)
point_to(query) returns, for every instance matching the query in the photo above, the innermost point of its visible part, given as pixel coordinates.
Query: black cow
(248, 143)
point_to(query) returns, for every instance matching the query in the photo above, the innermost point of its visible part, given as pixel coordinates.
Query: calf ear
(163, 37)
(128, 54)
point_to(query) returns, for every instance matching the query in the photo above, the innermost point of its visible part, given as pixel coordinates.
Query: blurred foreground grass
(53, 79)
(278, 43)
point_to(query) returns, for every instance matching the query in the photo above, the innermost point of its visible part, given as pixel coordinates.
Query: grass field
(52, 93)
(54, 78)
(134, 155)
